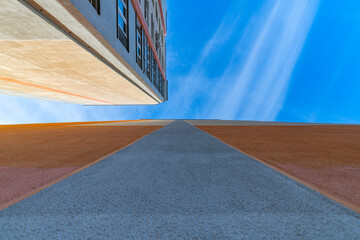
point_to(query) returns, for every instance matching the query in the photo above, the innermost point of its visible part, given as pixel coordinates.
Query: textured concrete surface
(178, 183)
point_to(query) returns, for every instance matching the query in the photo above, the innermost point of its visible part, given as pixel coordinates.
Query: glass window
(152, 27)
(145, 57)
(161, 84)
(138, 43)
(122, 12)
(150, 65)
(154, 70)
(157, 76)
(148, 59)
(156, 12)
(147, 12)
(96, 5)
(123, 21)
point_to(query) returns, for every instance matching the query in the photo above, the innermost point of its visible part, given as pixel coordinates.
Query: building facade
(92, 52)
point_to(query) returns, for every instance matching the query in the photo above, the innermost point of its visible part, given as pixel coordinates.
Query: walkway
(178, 182)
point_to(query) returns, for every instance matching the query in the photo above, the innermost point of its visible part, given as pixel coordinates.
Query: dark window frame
(152, 27)
(156, 12)
(150, 65)
(146, 56)
(154, 64)
(138, 42)
(96, 5)
(148, 59)
(123, 35)
(146, 12)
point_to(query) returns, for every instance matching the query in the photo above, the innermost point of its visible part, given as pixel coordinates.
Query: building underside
(48, 50)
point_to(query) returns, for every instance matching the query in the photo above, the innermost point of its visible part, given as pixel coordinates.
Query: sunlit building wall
(93, 52)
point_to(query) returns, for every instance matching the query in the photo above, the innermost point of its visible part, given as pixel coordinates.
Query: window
(153, 77)
(157, 42)
(162, 38)
(163, 64)
(147, 58)
(138, 43)
(157, 76)
(151, 65)
(160, 55)
(147, 12)
(96, 5)
(152, 27)
(122, 18)
(156, 12)
(161, 85)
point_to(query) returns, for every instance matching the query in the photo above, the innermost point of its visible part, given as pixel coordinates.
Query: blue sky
(276, 60)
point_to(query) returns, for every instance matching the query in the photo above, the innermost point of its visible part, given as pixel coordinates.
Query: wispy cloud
(224, 31)
(187, 89)
(258, 90)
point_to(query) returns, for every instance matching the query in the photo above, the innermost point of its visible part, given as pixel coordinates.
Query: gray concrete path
(178, 183)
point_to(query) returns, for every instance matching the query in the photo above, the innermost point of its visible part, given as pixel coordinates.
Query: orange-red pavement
(326, 156)
(34, 155)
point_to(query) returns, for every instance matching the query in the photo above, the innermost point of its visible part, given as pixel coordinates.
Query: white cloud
(224, 30)
(184, 91)
(259, 88)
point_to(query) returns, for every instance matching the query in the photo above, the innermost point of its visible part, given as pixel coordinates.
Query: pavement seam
(18, 199)
(279, 170)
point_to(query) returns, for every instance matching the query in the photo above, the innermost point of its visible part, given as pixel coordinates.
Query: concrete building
(91, 52)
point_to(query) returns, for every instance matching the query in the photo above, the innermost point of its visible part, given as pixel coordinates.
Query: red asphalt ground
(36, 155)
(325, 157)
